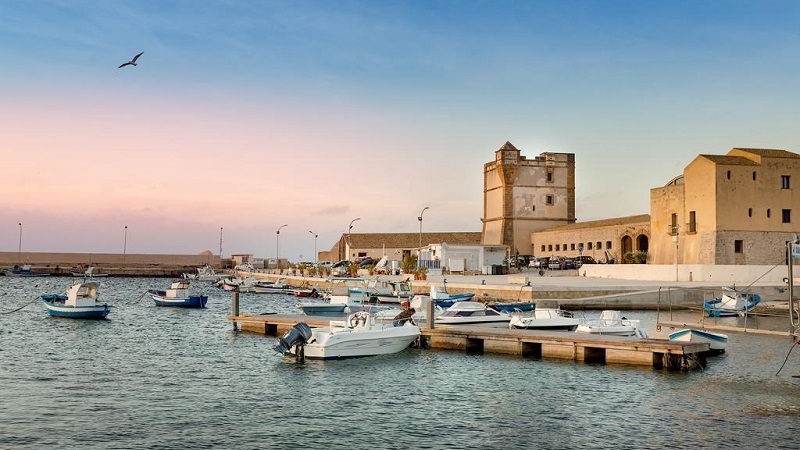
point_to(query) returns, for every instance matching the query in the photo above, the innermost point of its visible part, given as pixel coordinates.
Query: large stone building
(738, 208)
(522, 196)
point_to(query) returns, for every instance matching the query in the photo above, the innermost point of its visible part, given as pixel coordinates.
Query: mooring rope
(26, 304)
(140, 297)
(787, 357)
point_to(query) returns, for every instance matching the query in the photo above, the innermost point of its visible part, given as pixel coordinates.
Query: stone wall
(66, 260)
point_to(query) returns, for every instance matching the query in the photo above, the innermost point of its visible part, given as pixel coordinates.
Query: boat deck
(538, 344)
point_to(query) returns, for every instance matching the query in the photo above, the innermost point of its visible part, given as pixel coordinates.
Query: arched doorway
(626, 246)
(642, 243)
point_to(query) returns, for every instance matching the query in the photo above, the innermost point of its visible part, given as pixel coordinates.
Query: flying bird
(131, 62)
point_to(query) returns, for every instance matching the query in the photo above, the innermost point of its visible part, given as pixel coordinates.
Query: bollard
(235, 306)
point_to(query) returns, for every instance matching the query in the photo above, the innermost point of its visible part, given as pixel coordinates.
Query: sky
(242, 116)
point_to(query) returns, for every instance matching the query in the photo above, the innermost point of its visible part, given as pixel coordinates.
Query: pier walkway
(657, 353)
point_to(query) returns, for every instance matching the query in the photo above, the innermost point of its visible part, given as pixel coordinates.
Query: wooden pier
(657, 353)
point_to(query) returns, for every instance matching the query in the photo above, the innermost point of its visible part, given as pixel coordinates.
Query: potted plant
(422, 272)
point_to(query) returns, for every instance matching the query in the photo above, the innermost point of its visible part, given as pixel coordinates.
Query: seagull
(131, 62)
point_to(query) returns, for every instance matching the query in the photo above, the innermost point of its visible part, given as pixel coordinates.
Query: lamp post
(349, 242)
(125, 244)
(315, 245)
(420, 226)
(675, 240)
(220, 246)
(278, 246)
(19, 251)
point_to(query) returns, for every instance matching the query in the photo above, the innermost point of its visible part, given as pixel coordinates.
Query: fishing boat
(547, 315)
(357, 336)
(731, 303)
(205, 273)
(178, 295)
(272, 287)
(79, 302)
(716, 341)
(445, 299)
(338, 302)
(611, 323)
(24, 271)
(511, 307)
(384, 291)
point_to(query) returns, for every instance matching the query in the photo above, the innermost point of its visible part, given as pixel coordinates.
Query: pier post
(235, 306)
(431, 307)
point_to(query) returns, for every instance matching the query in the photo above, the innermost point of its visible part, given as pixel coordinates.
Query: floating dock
(596, 349)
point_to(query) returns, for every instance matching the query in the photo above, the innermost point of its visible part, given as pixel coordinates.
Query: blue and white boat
(443, 299)
(24, 271)
(510, 307)
(716, 341)
(178, 295)
(80, 302)
(731, 303)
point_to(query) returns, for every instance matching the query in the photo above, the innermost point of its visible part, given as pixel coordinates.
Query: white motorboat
(357, 336)
(420, 303)
(548, 315)
(612, 323)
(269, 287)
(716, 341)
(239, 284)
(473, 313)
(205, 273)
(338, 302)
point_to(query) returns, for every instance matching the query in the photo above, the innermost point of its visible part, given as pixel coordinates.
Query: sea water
(151, 377)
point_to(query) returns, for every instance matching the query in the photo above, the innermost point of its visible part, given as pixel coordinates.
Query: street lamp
(220, 246)
(19, 251)
(349, 242)
(315, 245)
(278, 246)
(420, 225)
(125, 245)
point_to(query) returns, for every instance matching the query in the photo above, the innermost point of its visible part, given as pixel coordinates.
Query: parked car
(365, 262)
(581, 260)
(340, 269)
(539, 263)
(568, 263)
(554, 263)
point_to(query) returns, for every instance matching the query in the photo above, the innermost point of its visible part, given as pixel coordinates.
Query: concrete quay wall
(130, 264)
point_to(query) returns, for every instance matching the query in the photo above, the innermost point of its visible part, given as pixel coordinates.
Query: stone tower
(521, 196)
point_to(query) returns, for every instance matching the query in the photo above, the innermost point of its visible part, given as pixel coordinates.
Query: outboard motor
(298, 335)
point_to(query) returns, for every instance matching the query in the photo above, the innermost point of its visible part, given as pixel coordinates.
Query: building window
(729, 174)
(549, 175)
(558, 248)
(542, 247)
(673, 230)
(599, 245)
(550, 247)
(787, 215)
(749, 212)
(572, 247)
(785, 181)
(754, 175)
(738, 246)
(608, 245)
(692, 222)
(768, 213)
(549, 200)
(564, 246)
(589, 245)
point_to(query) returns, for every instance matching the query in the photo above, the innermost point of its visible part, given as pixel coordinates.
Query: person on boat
(403, 317)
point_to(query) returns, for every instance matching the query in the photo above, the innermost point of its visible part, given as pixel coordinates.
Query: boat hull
(553, 323)
(717, 342)
(73, 312)
(340, 343)
(193, 301)
(322, 309)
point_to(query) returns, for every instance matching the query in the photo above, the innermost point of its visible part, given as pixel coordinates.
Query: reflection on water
(152, 377)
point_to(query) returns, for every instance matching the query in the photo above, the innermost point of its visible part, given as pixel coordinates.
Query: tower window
(785, 181)
(549, 175)
(549, 200)
(749, 212)
(786, 215)
(738, 246)
(608, 244)
(768, 213)
(729, 175)
(754, 175)
(692, 222)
